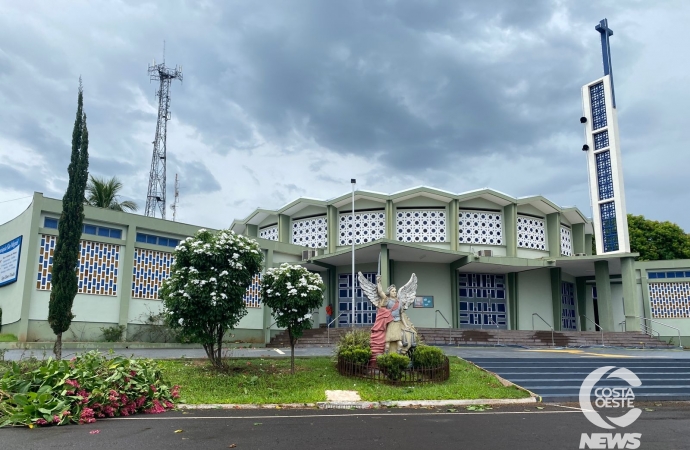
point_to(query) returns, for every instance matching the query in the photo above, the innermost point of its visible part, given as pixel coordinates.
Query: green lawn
(269, 381)
(8, 338)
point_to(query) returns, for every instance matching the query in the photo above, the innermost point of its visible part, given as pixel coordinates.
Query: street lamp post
(354, 280)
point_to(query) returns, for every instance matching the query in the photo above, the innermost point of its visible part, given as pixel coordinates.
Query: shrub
(113, 334)
(393, 365)
(82, 390)
(355, 339)
(204, 295)
(359, 356)
(425, 356)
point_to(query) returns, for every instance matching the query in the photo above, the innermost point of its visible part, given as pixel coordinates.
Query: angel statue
(392, 331)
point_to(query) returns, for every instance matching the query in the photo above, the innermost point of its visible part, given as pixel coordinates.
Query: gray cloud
(457, 95)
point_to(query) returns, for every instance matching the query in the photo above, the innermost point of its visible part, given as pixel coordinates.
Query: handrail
(553, 344)
(450, 327)
(680, 343)
(498, 334)
(644, 328)
(328, 327)
(595, 327)
(271, 325)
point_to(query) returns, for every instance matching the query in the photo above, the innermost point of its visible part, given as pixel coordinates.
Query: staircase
(559, 379)
(439, 336)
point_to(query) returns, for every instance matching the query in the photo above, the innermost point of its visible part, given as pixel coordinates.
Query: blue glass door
(482, 301)
(365, 312)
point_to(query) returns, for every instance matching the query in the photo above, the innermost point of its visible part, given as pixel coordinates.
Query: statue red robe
(377, 341)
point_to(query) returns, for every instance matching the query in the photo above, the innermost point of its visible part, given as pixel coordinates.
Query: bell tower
(604, 163)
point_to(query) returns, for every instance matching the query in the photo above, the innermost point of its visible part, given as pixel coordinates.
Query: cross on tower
(606, 32)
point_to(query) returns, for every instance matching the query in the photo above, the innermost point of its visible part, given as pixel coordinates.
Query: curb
(118, 346)
(364, 405)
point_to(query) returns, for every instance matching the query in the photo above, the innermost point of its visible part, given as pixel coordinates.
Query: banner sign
(9, 261)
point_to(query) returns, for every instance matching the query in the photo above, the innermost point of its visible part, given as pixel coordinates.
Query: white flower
(181, 321)
(213, 302)
(307, 316)
(223, 296)
(303, 294)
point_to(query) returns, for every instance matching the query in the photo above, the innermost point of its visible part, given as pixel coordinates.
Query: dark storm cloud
(11, 178)
(432, 90)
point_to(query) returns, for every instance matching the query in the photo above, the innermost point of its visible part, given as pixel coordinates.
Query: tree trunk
(57, 348)
(292, 352)
(220, 346)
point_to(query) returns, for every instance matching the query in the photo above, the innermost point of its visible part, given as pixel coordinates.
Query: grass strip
(261, 381)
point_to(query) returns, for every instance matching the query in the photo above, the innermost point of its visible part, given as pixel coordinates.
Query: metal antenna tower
(155, 198)
(175, 204)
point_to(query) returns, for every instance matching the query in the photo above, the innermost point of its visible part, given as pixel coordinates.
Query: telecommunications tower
(176, 202)
(155, 198)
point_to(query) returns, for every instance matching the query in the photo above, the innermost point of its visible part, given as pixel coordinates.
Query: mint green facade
(528, 257)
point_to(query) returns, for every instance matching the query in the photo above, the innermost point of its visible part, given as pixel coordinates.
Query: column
(556, 296)
(581, 291)
(510, 228)
(513, 301)
(578, 237)
(268, 319)
(284, 231)
(603, 281)
(390, 220)
(453, 224)
(588, 244)
(553, 235)
(632, 312)
(333, 228)
(125, 273)
(33, 241)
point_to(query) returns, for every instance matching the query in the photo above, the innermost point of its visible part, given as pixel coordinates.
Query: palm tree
(103, 193)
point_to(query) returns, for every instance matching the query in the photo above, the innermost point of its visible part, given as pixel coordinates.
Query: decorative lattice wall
(609, 230)
(368, 226)
(531, 232)
(150, 269)
(421, 225)
(310, 232)
(270, 233)
(98, 266)
(480, 227)
(252, 297)
(670, 300)
(566, 241)
(598, 102)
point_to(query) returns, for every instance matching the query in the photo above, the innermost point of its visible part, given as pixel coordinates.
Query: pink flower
(41, 422)
(175, 392)
(84, 396)
(65, 413)
(87, 416)
(153, 388)
(72, 383)
(157, 408)
(169, 405)
(56, 419)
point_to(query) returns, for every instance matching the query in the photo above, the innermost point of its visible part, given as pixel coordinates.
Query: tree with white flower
(292, 292)
(204, 295)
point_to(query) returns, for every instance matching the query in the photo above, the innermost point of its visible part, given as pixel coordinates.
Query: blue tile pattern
(150, 269)
(252, 298)
(598, 102)
(601, 140)
(604, 175)
(670, 300)
(609, 230)
(98, 266)
(568, 315)
(673, 274)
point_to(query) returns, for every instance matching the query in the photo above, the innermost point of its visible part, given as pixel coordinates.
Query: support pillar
(578, 238)
(581, 292)
(332, 230)
(632, 312)
(603, 281)
(390, 219)
(513, 312)
(556, 297)
(453, 224)
(510, 228)
(588, 244)
(284, 232)
(31, 243)
(126, 274)
(268, 319)
(553, 235)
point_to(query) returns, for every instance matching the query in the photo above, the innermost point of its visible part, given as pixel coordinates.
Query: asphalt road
(554, 427)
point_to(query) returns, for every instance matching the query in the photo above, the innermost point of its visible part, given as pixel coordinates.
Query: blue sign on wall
(9, 261)
(424, 301)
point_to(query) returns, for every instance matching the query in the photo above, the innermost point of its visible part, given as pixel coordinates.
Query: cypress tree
(66, 256)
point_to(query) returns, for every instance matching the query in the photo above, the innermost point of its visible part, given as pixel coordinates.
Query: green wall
(432, 279)
(534, 294)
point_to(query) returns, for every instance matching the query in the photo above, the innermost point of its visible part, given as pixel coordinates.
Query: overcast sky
(283, 99)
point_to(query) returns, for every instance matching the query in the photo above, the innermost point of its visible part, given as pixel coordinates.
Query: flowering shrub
(204, 295)
(87, 388)
(292, 292)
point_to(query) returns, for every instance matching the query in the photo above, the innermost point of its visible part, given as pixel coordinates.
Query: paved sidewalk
(463, 352)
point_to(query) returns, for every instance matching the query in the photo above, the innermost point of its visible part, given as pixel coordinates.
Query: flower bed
(411, 375)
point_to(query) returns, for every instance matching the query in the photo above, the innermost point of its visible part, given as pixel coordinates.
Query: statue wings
(407, 293)
(369, 289)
